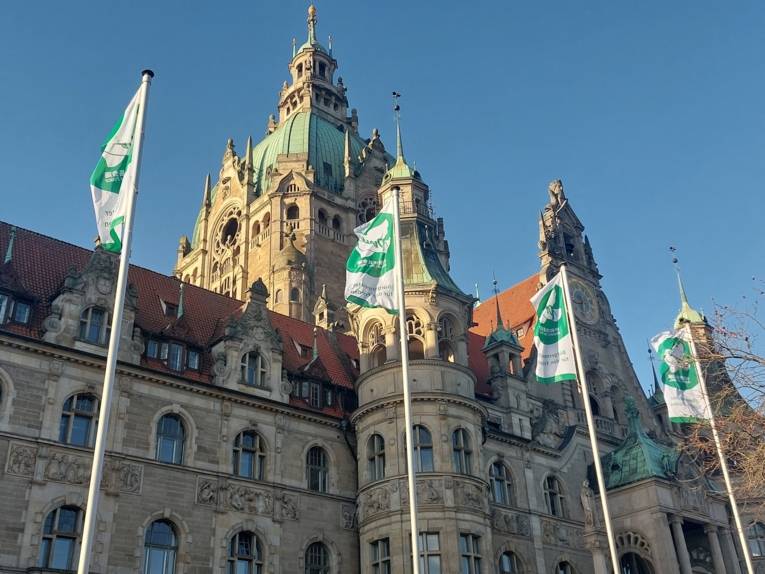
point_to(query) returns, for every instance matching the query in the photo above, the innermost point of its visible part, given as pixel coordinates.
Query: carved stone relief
(229, 495)
(511, 522)
(21, 460)
(558, 534)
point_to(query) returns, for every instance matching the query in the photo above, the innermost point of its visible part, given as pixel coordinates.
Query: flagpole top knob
(147, 72)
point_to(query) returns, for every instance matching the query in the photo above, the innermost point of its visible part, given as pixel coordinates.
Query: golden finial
(312, 11)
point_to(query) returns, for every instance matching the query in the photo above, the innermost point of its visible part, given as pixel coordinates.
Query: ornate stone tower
(610, 374)
(448, 420)
(284, 211)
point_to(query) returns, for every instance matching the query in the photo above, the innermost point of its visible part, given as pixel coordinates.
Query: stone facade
(291, 454)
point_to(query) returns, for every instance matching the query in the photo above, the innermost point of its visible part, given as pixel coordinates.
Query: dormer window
(171, 309)
(94, 326)
(13, 310)
(317, 395)
(177, 356)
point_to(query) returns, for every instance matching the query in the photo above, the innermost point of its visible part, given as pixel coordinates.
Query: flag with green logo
(679, 372)
(552, 334)
(111, 183)
(370, 270)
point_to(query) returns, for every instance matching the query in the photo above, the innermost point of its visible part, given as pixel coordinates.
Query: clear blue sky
(650, 112)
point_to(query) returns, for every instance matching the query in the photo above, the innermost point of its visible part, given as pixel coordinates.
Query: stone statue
(555, 189)
(587, 496)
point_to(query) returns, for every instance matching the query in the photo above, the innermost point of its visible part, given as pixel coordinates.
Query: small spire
(180, 300)
(397, 112)
(500, 323)
(687, 313)
(294, 47)
(323, 290)
(656, 387)
(477, 296)
(315, 350)
(11, 240)
(207, 193)
(312, 24)
(330, 44)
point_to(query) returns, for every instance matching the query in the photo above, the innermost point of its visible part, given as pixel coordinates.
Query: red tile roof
(41, 264)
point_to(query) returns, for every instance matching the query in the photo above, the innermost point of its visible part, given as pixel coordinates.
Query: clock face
(584, 302)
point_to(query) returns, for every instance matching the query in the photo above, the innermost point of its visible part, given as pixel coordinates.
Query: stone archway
(634, 563)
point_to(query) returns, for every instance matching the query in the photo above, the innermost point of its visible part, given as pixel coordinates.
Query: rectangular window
(192, 360)
(380, 552)
(315, 399)
(470, 554)
(163, 351)
(175, 357)
(4, 302)
(430, 553)
(21, 312)
(152, 349)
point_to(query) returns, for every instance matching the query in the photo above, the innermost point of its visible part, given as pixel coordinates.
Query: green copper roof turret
(687, 313)
(639, 456)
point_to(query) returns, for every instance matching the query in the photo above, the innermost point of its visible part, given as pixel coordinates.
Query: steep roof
(43, 263)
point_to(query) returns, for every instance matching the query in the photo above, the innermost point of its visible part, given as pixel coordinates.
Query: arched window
(501, 484)
(249, 455)
(160, 548)
(78, 420)
(423, 449)
(337, 224)
(462, 453)
(61, 531)
(245, 554)
(633, 563)
(266, 221)
(509, 563)
(170, 438)
(376, 457)
(415, 334)
(293, 212)
(322, 217)
(554, 499)
(299, 70)
(564, 568)
(255, 229)
(253, 369)
(446, 339)
(594, 406)
(317, 559)
(94, 326)
(278, 296)
(756, 536)
(376, 343)
(295, 295)
(317, 469)
(367, 209)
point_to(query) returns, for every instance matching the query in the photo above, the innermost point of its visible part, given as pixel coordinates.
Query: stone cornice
(434, 396)
(141, 373)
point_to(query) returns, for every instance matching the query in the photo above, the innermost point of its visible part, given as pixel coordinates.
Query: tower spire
(180, 300)
(656, 387)
(312, 24)
(500, 324)
(9, 250)
(687, 313)
(206, 193)
(397, 112)
(347, 152)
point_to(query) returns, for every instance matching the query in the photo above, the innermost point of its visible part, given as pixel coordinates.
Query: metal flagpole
(590, 424)
(91, 510)
(723, 463)
(399, 283)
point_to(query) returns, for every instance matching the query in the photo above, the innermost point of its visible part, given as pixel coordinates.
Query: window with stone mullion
(429, 547)
(78, 420)
(423, 449)
(59, 540)
(376, 457)
(160, 548)
(245, 555)
(461, 452)
(249, 455)
(380, 550)
(317, 469)
(470, 554)
(501, 485)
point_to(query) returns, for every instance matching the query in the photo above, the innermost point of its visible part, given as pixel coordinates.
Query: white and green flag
(679, 372)
(370, 270)
(114, 177)
(552, 334)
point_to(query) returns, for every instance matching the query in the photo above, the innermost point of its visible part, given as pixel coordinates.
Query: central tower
(285, 209)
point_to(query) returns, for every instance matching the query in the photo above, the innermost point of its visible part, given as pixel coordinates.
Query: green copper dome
(319, 140)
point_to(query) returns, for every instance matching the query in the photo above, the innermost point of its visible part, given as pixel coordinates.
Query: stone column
(714, 546)
(597, 544)
(664, 549)
(431, 341)
(730, 554)
(682, 548)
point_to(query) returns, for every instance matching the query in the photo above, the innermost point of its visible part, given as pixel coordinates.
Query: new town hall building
(257, 423)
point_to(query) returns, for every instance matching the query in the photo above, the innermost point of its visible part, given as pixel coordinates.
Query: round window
(229, 231)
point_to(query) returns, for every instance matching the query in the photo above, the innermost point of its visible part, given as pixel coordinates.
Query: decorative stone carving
(376, 501)
(429, 491)
(549, 427)
(511, 522)
(122, 476)
(228, 495)
(21, 460)
(587, 496)
(469, 494)
(348, 517)
(289, 506)
(66, 468)
(557, 534)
